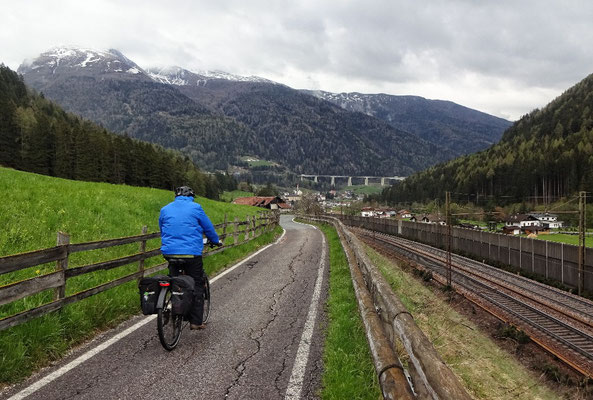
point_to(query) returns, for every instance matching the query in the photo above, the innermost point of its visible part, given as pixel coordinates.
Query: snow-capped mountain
(70, 60)
(460, 129)
(183, 77)
(84, 61)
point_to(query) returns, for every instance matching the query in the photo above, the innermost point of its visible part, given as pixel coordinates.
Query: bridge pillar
(382, 181)
(349, 181)
(366, 181)
(333, 182)
(315, 180)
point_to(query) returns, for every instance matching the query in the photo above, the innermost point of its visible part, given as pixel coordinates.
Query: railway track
(560, 322)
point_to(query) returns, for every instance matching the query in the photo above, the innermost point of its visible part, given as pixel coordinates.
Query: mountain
(216, 118)
(458, 129)
(179, 76)
(312, 135)
(545, 156)
(109, 89)
(37, 136)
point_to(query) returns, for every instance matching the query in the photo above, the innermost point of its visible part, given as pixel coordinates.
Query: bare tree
(308, 204)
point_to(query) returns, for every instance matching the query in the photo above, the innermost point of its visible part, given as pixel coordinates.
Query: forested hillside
(216, 121)
(38, 136)
(311, 135)
(460, 130)
(546, 155)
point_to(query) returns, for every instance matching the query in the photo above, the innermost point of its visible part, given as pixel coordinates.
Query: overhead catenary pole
(581, 274)
(448, 212)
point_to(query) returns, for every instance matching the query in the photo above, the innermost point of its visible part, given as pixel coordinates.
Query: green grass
(34, 208)
(487, 371)
(254, 162)
(348, 369)
(564, 238)
(230, 196)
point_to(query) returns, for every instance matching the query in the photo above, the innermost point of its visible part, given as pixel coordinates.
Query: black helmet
(184, 191)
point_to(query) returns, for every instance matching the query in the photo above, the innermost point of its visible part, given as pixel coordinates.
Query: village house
(368, 212)
(548, 220)
(404, 214)
(430, 219)
(269, 202)
(511, 230)
(522, 220)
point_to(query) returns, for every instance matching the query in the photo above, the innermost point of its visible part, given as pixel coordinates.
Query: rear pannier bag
(182, 294)
(149, 293)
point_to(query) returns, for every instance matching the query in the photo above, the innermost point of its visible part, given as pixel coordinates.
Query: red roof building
(269, 202)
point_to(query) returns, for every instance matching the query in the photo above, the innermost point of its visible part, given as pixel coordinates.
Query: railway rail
(558, 321)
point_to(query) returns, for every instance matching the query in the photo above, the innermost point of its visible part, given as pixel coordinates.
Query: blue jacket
(182, 223)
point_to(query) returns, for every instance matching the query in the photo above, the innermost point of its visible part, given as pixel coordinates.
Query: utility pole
(448, 211)
(582, 229)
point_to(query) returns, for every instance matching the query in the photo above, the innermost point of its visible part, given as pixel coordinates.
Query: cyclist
(183, 224)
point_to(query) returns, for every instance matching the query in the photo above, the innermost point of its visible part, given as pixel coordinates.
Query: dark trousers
(193, 267)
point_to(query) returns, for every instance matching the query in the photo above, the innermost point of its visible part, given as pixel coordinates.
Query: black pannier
(149, 293)
(182, 294)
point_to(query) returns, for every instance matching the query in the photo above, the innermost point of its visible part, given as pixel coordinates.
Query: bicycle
(169, 324)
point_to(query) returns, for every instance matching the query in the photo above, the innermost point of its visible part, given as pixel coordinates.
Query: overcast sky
(501, 57)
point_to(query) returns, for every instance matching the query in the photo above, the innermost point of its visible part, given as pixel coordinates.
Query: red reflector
(164, 283)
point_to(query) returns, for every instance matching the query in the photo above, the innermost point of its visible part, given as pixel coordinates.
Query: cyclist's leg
(195, 268)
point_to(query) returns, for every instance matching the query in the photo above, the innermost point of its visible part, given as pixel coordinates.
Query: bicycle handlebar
(207, 242)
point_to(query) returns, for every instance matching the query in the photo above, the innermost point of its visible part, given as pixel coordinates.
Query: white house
(404, 214)
(522, 220)
(368, 212)
(548, 220)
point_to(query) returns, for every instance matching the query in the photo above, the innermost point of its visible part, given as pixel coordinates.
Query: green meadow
(34, 208)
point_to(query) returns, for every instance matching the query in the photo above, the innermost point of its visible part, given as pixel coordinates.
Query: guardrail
(385, 318)
(248, 230)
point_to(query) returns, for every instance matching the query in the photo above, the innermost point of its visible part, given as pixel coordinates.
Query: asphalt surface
(248, 350)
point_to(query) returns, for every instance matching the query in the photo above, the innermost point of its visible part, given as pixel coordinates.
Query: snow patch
(89, 59)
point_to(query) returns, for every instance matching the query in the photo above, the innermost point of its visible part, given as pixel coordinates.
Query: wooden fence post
(236, 231)
(247, 228)
(224, 227)
(260, 224)
(142, 250)
(62, 266)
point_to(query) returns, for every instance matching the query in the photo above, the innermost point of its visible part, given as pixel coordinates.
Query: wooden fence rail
(252, 228)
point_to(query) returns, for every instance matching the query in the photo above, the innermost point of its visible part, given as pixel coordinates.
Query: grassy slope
(33, 209)
(230, 196)
(348, 368)
(487, 371)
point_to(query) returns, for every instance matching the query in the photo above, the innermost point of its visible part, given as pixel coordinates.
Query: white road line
(295, 384)
(74, 363)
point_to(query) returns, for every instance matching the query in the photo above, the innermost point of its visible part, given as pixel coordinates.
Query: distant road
(261, 318)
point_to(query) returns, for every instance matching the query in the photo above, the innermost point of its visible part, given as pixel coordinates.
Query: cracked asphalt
(247, 351)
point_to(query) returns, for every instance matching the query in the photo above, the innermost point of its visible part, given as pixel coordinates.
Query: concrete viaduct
(384, 179)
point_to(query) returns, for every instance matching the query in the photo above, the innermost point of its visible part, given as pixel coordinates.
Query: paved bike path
(259, 313)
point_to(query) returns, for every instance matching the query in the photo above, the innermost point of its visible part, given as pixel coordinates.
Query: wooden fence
(550, 260)
(240, 232)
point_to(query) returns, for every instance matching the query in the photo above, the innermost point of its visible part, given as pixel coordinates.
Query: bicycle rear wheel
(168, 324)
(206, 314)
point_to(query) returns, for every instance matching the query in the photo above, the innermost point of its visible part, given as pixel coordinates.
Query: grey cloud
(531, 44)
